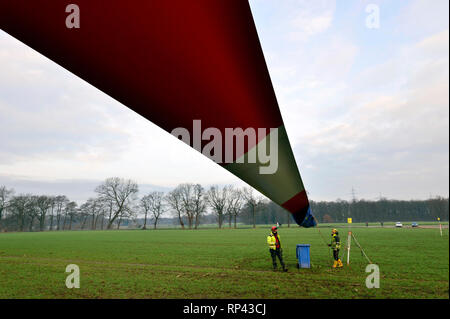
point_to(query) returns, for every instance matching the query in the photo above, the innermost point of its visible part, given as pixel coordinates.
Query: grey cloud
(44, 109)
(393, 141)
(75, 189)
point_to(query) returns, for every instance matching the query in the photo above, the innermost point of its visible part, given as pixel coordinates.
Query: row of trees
(30, 212)
(190, 202)
(189, 205)
(382, 210)
(117, 201)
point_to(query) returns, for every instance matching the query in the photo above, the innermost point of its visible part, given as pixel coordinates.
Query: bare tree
(187, 197)
(52, 209)
(175, 202)
(157, 206)
(106, 209)
(18, 208)
(235, 203)
(60, 204)
(101, 213)
(92, 208)
(251, 201)
(217, 199)
(144, 205)
(5, 195)
(32, 210)
(43, 204)
(153, 203)
(109, 209)
(198, 203)
(71, 211)
(119, 193)
(96, 208)
(127, 213)
(84, 214)
(229, 204)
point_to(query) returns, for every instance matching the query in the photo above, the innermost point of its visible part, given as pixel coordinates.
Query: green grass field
(227, 263)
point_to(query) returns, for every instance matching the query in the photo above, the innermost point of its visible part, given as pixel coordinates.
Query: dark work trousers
(336, 254)
(274, 253)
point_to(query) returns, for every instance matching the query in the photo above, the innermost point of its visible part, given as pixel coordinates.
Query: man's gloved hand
(329, 245)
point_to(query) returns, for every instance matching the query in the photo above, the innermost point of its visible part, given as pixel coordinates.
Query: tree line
(188, 205)
(382, 210)
(117, 201)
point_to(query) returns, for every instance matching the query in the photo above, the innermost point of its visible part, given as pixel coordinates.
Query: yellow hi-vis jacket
(335, 242)
(271, 240)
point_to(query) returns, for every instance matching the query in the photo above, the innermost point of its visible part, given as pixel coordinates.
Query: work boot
(335, 264)
(340, 264)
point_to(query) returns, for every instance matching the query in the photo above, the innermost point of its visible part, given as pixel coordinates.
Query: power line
(353, 195)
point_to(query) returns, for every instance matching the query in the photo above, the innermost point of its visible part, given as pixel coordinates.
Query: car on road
(398, 224)
(414, 224)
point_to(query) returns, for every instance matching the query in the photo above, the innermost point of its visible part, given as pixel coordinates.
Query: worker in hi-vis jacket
(275, 248)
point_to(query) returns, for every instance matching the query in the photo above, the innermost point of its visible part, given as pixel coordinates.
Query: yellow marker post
(349, 240)
(440, 225)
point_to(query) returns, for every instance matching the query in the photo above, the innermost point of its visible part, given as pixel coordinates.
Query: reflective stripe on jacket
(272, 241)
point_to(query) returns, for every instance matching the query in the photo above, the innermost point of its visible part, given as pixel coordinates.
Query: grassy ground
(227, 263)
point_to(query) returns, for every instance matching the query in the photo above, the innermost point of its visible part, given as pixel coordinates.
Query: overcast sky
(366, 108)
